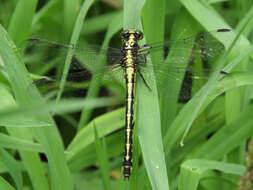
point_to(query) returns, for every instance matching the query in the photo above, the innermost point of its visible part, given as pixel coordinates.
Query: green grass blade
(74, 39)
(13, 167)
(22, 20)
(102, 159)
(170, 106)
(228, 137)
(87, 156)
(5, 185)
(47, 136)
(70, 12)
(48, 9)
(105, 124)
(191, 109)
(229, 82)
(192, 171)
(234, 103)
(18, 80)
(100, 23)
(17, 120)
(25, 114)
(94, 87)
(19, 144)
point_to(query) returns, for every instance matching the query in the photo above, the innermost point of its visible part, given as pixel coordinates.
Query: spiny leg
(145, 82)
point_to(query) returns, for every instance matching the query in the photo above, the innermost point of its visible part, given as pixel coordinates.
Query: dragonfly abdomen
(130, 51)
(130, 88)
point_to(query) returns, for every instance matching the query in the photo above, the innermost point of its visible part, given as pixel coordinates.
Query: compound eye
(125, 34)
(138, 35)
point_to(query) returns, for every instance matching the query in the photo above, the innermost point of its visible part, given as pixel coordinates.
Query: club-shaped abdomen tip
(126, 177)
(127, 172)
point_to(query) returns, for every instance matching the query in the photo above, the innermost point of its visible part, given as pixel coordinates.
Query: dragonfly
(174, 62)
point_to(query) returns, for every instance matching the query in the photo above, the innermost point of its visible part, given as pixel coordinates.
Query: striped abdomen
(130, 75)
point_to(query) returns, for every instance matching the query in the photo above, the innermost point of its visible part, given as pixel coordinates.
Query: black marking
(33, 40)
(223, 30)
(145, 82)
(223, 72)
(144, 48)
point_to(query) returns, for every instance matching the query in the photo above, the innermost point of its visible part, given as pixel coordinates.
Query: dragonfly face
(125, 34)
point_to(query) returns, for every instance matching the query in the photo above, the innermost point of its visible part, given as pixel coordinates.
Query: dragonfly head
(125, 34)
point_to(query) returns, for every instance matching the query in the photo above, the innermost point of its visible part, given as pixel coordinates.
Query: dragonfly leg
(145, 47)
(145, 82)
(143, 57)
(143, 52)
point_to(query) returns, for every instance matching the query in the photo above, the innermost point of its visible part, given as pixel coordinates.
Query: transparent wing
(175, 82)
(173, 62)
(45, 60)
(42, 51)
(181, 67)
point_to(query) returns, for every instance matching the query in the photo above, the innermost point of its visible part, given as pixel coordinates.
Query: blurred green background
(78, 143)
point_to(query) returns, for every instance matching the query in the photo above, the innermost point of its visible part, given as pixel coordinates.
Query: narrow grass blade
(19, 144)
(94, 87)
(48, 136)
(46, 10)
(13, 168)
(22, 19)
(87, 157)
(25, 114)
(102, 159)
(191, 109)
(74, 39)
(192, 171)
(5, 185)
(228, 137)
(100, 23)
(70, 12)
(105, 124)
(19, 120)
(184, 26)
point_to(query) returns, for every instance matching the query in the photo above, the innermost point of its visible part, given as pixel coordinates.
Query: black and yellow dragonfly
(175, 62)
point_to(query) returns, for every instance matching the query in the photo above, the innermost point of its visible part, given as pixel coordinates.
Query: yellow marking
(129, 99)
(131, 31)
(130, 86)
(129, 114)
(128, 126)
